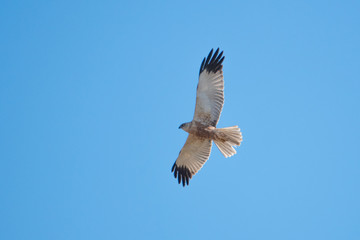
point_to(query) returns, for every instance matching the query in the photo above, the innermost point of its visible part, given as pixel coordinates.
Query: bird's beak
(179, 127)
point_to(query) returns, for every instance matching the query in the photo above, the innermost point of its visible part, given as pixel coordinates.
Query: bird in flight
(202, 129)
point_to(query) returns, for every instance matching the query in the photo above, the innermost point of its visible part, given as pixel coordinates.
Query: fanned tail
(226, 138)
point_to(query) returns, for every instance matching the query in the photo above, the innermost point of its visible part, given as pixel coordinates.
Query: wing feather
(210, 90)
(191, 159)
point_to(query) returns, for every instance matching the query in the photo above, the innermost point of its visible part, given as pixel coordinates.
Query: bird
(202, 129)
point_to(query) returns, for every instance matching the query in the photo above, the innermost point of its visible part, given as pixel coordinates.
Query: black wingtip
(212, 63)
(202, 65)
(182, 174)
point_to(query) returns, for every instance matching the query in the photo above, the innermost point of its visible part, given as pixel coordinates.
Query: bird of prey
(202, 129)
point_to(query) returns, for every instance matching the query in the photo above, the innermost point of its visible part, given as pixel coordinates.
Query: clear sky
(92, 94)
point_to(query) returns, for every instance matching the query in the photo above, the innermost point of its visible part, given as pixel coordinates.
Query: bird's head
(185, 126)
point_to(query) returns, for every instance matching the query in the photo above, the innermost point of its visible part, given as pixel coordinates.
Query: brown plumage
(202, 129)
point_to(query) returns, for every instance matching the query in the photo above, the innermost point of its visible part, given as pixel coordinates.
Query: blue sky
(92, 94)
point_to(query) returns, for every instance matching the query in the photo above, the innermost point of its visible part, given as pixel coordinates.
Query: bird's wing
(210, 90)
(192, 157)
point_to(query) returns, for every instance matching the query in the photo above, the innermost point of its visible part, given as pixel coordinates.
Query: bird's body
(199, 129)
(202, 129)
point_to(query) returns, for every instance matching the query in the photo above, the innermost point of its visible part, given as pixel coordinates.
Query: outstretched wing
(192, 157)
(210, 90)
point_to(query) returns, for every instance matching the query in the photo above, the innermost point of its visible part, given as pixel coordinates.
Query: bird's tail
(226, 138)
